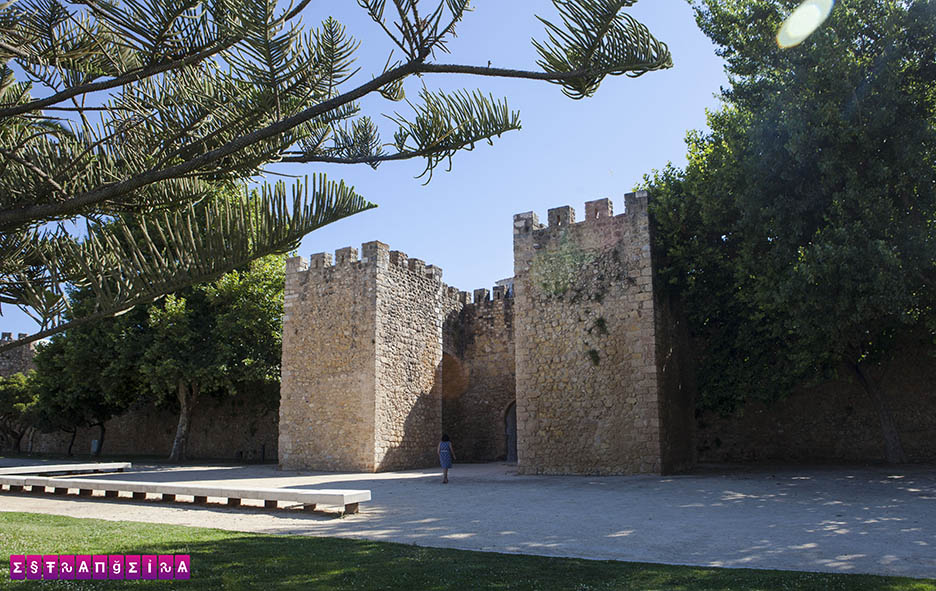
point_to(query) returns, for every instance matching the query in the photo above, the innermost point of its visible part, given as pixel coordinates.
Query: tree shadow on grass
(230, 560)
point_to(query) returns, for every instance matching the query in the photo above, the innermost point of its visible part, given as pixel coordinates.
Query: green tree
(89, 374)
(147, 114)
(17, 402)
(221, 338)
(801, 232)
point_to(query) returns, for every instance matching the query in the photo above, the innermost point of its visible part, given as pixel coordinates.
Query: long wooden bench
(66, 468)
(309, 499)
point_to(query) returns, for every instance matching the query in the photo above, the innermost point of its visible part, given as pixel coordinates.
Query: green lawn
(230, 560)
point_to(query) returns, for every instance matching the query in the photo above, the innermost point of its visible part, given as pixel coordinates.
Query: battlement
(7, 337)
(372, 254)
(18, 359)
(597, 213)
(479, 297)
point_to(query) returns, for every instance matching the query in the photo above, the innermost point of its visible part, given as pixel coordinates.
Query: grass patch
(231, 560)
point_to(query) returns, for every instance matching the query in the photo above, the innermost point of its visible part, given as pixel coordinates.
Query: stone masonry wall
(677, 387)
(242, 429)
(362, 360)
(478, 377)
(587, 377)
(327, 400)
(409, 359)
(18, 360)
(833, 421)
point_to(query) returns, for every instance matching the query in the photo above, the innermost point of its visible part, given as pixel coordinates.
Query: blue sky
(568, 152)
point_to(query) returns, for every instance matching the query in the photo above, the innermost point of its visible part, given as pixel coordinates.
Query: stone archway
(510, 431)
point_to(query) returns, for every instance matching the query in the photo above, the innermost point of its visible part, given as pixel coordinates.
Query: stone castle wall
(380, 357)
(677, 387)
(479, 382)
(362, 361)
(409, 359)
(588, 381)
(17, 360)
(327, 402)
(833, 421)
(240, 429)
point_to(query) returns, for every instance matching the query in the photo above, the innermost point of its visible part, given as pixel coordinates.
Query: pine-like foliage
(130, 128)
(597, 39)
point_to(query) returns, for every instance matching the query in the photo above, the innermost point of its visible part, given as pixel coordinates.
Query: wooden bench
(66, 468)
(349, 499)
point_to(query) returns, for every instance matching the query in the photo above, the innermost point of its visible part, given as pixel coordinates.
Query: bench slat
(297, 495)
(72, 468)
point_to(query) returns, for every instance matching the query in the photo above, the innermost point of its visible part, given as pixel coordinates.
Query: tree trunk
(186, 396)
(32, 435)
(893, 449)
(71, 443)
(100, 441)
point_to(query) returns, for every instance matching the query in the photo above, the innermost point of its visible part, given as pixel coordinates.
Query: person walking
(446, 456)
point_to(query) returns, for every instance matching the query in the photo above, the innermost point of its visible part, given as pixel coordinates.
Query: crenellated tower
(18, 359)
(591, 381)
(362, 348)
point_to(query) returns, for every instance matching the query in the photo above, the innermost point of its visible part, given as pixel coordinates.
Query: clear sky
(568, 152)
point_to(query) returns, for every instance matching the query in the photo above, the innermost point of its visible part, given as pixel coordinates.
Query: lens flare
(801, 23)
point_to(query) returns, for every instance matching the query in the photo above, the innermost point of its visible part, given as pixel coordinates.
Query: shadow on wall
(833, 421)
(231, 429)
(478, 376)
(475, 415)
(415, 450)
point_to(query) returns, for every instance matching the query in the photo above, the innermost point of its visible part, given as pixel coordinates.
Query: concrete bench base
(309, 499)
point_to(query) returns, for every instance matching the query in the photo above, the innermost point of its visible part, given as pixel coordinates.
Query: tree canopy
(90, 373)
(126, 125)
(17, 404)
(801, 232)
(220, 339)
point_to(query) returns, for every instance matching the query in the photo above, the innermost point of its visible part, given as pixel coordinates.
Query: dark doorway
(510, 427)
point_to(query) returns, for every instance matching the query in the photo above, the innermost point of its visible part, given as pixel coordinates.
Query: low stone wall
(831, 422)
(233, 429)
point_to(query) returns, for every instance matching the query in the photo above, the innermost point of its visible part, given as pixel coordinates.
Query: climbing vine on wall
(558, 271)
